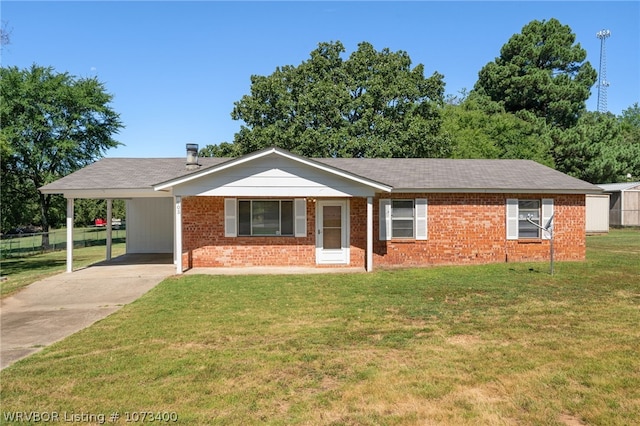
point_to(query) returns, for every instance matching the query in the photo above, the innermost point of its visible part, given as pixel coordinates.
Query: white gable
(273, 176)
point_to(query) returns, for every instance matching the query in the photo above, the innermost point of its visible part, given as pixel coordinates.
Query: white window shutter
(547, 217)
(230, 217)
(421, 218)
(385, 219)
(512, 218)
(300, 213)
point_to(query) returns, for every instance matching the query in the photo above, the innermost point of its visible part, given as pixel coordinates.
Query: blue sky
(176, 68)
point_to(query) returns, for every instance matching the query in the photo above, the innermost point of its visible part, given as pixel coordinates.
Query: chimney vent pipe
(192, 156)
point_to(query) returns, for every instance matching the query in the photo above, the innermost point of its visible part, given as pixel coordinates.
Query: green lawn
(22, 271)
(478, 345)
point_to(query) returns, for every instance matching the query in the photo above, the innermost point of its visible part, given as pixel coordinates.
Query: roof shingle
(400, 173)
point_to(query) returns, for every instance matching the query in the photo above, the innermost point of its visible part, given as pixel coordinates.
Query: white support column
(369, 234)
(69, 234)
(109, 228)
(178, 234)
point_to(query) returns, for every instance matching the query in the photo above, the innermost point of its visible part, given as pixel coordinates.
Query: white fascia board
(251, 157)
(115, 194)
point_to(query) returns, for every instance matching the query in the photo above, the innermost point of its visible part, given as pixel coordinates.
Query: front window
(265, 217)
(528, 211)
(402, 218)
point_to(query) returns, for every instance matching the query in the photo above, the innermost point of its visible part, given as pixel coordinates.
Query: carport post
(69, 234)
(109, 227)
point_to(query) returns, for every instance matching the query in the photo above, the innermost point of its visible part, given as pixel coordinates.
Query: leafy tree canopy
(541, 70)
(630, 124)
(481, 128)
(630, 120)
(372, 104)
(595, 150)
(52, 125)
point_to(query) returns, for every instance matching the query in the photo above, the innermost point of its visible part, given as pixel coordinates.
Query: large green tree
(481, 128)
(373, 104)
(595, 150)
(630, 127)
(541, 70)
(630, 122)
(52, 124)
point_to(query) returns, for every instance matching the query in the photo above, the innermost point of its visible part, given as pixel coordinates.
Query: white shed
(624, 203)
(597, 206)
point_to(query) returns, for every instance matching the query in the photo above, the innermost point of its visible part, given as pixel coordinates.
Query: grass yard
(479, 345)
(22, 271)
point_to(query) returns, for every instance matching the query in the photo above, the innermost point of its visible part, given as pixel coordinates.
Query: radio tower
(603, 35)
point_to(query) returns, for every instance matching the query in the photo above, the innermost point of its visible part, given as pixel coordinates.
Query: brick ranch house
(274, 208)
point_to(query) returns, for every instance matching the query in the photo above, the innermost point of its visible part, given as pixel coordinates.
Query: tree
(52, 125)
(630, 121)
(371, 105)
(481, 128)
(630, 126)
(595, 150)
(224, 149)
(542, 71)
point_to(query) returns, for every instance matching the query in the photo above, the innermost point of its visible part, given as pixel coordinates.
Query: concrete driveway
(56, 307)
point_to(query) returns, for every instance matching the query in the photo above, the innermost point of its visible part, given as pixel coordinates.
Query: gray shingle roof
(400, 173)
(126, 173)
(617, 187)
(454, 174)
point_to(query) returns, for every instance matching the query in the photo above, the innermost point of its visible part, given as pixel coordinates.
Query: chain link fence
(22, 245)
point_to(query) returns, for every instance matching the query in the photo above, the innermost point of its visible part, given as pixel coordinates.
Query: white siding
(273, 177)
(150, 225)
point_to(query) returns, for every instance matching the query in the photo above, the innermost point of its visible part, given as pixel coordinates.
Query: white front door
(332, 232)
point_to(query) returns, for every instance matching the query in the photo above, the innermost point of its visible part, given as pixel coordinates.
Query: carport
(149, 223)
(150, 214)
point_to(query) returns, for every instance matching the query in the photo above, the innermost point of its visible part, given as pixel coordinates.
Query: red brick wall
(204, 243)
(358, 232)
(462, 229)
(471, 229)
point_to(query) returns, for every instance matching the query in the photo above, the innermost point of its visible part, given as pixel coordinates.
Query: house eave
(107, 193)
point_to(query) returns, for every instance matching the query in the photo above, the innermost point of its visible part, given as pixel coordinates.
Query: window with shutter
(525, 217)
(403, 219)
